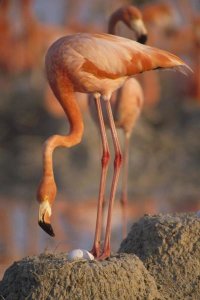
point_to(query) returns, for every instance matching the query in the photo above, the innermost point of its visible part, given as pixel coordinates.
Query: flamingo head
(46, 195)
(132, 17)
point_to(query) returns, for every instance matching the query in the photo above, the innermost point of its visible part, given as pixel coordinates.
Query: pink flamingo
(97, 64)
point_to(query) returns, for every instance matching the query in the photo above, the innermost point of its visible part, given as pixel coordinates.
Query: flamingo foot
(95, 251)
(104, 255)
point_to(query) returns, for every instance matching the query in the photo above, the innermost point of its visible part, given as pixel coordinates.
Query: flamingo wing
(88, 58)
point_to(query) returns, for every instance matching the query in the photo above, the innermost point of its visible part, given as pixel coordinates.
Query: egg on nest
(77, 254)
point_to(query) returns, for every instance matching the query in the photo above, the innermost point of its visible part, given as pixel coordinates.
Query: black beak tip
(46, 227)
(142, 39)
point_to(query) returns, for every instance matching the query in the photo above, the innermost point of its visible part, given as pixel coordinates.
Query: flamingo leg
(104, 161)
(124, 200)
(117, 165)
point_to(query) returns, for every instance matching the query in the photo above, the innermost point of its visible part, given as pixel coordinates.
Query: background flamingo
(127, 102)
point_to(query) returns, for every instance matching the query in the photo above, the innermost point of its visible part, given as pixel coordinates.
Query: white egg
(79, 254)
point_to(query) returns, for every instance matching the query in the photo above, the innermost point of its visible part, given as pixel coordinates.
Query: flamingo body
(103, 75)
(129, 106)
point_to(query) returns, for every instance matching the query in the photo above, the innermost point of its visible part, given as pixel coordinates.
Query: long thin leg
(105, 159)
(124, 200)
(117, 165)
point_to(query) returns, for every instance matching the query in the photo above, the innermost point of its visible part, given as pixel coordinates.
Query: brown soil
(169, 246)
(49, 276)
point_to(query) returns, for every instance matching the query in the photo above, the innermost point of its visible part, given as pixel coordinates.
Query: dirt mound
(52, 277)
(169, 246)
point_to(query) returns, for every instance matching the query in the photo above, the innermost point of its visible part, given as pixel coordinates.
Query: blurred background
(164, 168)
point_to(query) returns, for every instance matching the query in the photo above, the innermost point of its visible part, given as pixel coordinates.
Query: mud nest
(51, 276)
(169, 246)
(162, 261)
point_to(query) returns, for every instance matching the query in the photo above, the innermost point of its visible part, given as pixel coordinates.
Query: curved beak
(140, 30)
(46, 227)
(44, 218)
(142, 39)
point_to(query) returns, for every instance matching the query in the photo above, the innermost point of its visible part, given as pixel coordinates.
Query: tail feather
(184, 69)
(163, 59)
(151, 58)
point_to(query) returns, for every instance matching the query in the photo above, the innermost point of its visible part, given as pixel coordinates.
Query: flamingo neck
(64, 92)
(114, 19)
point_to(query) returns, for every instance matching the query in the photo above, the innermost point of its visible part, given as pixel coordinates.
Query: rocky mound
(51, 276)
(169, 246)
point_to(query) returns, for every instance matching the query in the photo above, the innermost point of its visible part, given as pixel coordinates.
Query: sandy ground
(162, 262)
